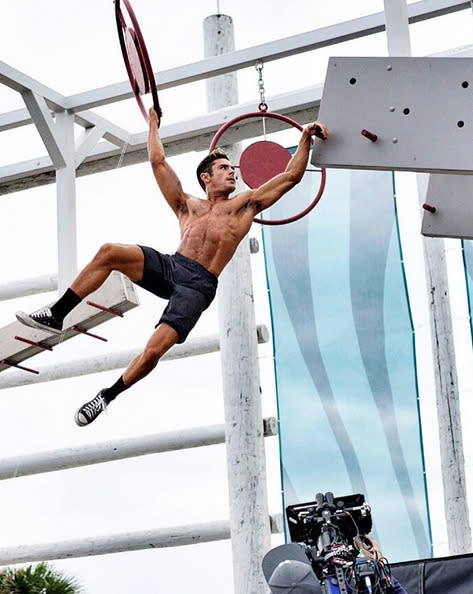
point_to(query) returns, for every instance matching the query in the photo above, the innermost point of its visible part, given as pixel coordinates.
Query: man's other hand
(317, 129)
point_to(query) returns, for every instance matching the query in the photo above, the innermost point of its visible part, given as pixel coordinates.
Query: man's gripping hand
(153, 116)
(317, 129)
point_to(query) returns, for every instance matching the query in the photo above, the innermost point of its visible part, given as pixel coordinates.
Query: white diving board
(19, 342)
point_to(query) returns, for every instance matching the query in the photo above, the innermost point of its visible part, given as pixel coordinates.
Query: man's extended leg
(128, 259)
(163, 338)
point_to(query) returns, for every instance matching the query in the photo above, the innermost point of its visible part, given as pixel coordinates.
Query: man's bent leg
(163, 338)
(128, 259)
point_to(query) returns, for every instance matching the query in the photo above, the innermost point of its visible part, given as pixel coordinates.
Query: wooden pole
(119, 449)
(447, 397)
(250, 529)
(174, 536)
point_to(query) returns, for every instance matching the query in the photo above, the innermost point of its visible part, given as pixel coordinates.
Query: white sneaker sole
(25, 319)
(80, 419)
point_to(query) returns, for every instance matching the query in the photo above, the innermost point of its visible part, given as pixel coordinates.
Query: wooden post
(249, 517)
(447, 397)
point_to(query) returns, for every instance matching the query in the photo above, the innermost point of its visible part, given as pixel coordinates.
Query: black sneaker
(42, 319)
(89, 411)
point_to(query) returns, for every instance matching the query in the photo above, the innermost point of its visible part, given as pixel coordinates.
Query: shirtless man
(211, 230)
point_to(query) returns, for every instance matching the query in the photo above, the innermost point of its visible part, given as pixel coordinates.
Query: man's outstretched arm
(167, 179)
(272, 190)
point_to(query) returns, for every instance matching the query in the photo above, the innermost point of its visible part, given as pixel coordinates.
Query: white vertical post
(397, 28)
(447, 397)
(249, 517)
(445, 373)
(66, 203)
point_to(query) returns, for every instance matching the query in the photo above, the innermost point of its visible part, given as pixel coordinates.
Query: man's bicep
(170, 185)
(271, 191)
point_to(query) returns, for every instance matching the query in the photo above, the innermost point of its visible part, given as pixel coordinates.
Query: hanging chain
(259, 68)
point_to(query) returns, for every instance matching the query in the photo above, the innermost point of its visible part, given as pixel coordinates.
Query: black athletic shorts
(188, 286)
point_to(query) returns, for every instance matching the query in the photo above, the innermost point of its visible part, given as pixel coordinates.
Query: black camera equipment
(330, 534)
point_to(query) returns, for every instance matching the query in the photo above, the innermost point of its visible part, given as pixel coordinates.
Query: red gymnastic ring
(287, 120)
(136, 58)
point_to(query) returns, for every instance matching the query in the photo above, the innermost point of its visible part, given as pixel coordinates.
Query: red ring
(147, 69)
(283, 118)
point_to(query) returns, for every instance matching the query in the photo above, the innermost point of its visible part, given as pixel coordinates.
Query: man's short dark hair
(205, 166)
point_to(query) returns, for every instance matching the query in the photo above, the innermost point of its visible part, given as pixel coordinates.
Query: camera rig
(333, 531)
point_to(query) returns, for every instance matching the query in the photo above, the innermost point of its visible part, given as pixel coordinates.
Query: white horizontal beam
(232, 61)
(28, 286)
(86, 119)
(179, 138)
(14, 119)
(176, 536)
(120, 449)
(117, 543)
(191, 135)
(270, 51)
(274, 50)
(429, 9)
(19, 174)
(119, 360)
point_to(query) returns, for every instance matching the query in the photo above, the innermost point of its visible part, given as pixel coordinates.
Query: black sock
(65, 304)
(111, 393)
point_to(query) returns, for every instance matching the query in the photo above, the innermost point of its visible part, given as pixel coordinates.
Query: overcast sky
(73, 47)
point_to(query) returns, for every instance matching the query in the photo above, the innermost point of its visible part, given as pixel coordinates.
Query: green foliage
(40, 579)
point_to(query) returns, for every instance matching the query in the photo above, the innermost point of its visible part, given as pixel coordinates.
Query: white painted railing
(109, 451)
(176, 536)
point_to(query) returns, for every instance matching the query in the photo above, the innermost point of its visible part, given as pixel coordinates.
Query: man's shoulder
(242, 196)
(193, 198)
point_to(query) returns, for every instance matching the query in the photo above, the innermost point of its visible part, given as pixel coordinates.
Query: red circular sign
(261, 161)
